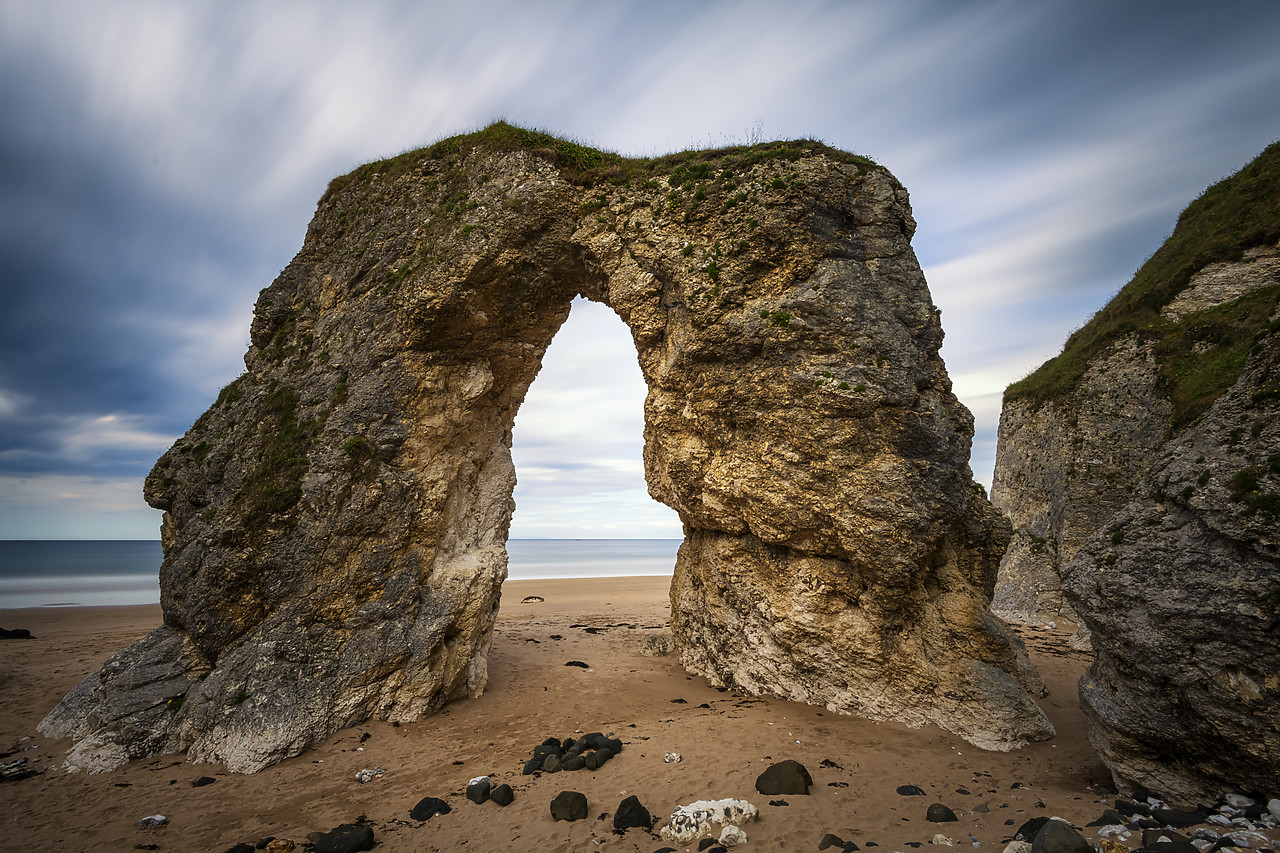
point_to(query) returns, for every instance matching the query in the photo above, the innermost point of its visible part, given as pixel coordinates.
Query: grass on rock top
(587, 166)
(1230, 217)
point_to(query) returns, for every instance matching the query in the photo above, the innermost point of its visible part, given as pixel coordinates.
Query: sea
(89, 573)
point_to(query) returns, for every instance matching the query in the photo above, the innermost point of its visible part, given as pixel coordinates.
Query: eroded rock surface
(1181, 590)
(1064, 467)
(1139, 469)
(335, 523)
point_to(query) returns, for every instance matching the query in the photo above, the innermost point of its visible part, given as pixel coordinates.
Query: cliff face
(335, 523)
(1064, 467)
(1181, 591)
(1115, 466)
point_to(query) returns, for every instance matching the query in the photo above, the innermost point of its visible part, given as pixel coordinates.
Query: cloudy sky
(159, 162)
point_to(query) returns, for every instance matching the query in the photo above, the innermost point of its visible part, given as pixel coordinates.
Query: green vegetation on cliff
(588, 166)
(1201, 356)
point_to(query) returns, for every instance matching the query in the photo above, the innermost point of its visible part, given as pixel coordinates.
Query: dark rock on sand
(1154, 836)
(1058, 837)
(706, 843)
(1177, 845)
(347, 838)
(830, 840)
(429, 807)
(1128, 808)
(202, 781)
(785, 777)
(575, 762)
(938, 813)
(779, 803)
(569, 805)
(1177, 818)
(478, 789)
(911, 790)
(1254, 811)
(242, 847)
(1029, 830)
(15, 634)
(503, 795)
(631, 813)
(578, 663)
(1110, 817)
(531, 766)
(551, 763)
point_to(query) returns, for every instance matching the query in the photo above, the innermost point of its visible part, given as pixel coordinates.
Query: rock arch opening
(335, 524)
(579, 437)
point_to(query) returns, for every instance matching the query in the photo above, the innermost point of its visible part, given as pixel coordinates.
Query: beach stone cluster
(482, 790)
(589, 752)
(1235, 821)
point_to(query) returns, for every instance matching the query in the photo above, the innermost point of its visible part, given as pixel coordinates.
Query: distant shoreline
(64, 574)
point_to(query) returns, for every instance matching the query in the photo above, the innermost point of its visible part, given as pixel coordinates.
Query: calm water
(84, 573)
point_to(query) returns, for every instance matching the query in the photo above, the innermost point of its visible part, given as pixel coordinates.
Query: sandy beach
(650, 703)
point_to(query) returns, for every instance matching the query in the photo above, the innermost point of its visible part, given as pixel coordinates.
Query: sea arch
(335, 523)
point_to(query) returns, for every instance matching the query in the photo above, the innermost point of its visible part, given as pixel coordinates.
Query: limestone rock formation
(335, 523)
(1078, 436)
(1139, 471)
(1181, 590)
(1065, 466)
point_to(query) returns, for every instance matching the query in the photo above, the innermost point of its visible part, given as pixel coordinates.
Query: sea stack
(335, 523)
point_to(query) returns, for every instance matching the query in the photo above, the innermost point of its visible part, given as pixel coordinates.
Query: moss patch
(1233, 215)
(275, 484)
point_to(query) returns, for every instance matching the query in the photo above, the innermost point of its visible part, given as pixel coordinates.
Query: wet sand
(650, 703)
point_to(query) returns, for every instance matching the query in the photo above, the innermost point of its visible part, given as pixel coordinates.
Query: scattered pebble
(1057, 836)
(569, 805)
(939, 813)
(672, 758)
(153, 820)
(631, 813)
(478, 789)
(345, 838)
(785, 777)
(429, 807)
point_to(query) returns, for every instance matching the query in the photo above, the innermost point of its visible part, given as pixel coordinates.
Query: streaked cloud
(50, 505)
(159, 163)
